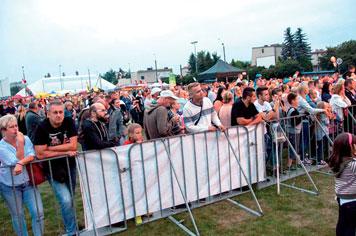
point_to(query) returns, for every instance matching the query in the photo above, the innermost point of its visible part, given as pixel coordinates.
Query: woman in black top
(21, 121)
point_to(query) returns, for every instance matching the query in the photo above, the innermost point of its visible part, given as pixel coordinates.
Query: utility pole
(196, 58)
(24, 79)
(156, 68)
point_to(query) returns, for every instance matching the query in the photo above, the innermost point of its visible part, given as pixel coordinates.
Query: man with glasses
(57, 136)
(95, 133)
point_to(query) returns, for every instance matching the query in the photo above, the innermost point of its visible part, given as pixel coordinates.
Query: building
(315, 56)
(185, 70)
(266, 56)
(151, 76)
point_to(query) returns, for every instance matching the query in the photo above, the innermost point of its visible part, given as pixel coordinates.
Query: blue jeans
(26, 194)
(304, 139)
(65, 198)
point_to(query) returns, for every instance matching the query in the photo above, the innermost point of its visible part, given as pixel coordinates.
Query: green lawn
(290, 213)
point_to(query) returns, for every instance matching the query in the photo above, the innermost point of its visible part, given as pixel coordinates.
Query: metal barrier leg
(316, 192)
(257, 213)
(171, 218)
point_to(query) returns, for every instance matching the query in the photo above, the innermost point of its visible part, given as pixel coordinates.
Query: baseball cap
(168, 94)
(155, 90)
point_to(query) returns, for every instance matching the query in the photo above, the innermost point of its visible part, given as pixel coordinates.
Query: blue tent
(221, 69)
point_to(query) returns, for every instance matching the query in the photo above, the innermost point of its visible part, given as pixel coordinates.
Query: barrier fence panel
(160, 178)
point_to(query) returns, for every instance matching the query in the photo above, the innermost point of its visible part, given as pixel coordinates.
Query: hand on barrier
(72, 153)
(18, 169)
(212, 128)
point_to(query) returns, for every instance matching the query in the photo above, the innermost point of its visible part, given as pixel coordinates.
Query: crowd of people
(60, 126)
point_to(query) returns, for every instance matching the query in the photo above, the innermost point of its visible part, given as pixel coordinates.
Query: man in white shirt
(199, 114)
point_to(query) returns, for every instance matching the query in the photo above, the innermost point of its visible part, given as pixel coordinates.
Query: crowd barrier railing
(161, 178)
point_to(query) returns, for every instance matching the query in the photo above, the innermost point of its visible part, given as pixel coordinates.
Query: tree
(192, 64)
(288, 46)
(302, 47)
(346, 51)
(240, 64)
(110, 76)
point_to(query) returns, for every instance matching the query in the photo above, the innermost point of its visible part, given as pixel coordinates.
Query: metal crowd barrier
(161, 178)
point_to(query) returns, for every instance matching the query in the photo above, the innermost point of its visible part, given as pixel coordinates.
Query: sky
(99, 35)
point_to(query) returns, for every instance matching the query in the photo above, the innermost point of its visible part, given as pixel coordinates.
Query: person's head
(344, 147)
(98, 111)
(277, 92)
(134, 131)
(350, 84)
(219, 94)
(33, 106)
(262, 93)
(68, 105)
(326, 88)
(175, 105)
(56, 113)
(249, 95)
(116, 103)
(352, 69)
(166, 98)
(338, 88)
(285, 88)
(227, 97)
(292, 99)
(313, 94)
(303, 89)
(155, 93)
(195, 92)
(8, 126)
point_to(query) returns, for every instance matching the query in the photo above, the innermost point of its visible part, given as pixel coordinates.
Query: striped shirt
(345, 185)
(191, 113)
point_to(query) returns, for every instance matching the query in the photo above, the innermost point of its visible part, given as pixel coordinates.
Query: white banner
(204, 165)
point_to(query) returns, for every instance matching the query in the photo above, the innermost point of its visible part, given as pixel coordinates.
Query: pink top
(225, 115)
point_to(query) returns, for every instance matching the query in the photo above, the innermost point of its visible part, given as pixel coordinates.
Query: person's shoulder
(207, 101)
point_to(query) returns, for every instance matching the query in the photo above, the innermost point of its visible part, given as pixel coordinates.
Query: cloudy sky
(80, 34)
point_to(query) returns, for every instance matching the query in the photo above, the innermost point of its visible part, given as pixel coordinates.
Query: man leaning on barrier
(199, 114)
(57, 136)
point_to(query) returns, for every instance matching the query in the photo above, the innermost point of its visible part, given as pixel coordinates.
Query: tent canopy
(221, 69)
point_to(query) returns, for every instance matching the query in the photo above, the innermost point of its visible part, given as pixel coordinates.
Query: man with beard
(57, 136)
(95, 132)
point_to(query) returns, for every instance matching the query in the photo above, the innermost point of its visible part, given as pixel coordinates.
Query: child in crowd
(134, 133)
(293, 127)
(322, 130)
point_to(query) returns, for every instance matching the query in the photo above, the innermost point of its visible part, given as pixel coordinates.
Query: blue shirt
(8, 157)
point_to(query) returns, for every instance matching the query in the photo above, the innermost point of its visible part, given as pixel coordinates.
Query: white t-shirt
(266, 107)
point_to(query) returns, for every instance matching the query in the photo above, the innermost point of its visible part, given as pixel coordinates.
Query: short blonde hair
(5, 120)
(338, 87)
(191, 86)
(227, 97)
(132, 127)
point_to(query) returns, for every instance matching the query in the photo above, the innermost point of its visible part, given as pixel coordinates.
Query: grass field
(291, 213)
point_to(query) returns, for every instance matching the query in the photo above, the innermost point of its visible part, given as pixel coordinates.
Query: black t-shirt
(47, 135)
(240, 110)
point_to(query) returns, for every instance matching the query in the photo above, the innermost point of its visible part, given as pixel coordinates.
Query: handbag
(35, 173)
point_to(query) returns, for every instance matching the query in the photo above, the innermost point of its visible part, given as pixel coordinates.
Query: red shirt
(127, 142)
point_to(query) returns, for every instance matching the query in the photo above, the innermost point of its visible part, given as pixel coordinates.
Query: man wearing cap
(153, 99)
(155, 120)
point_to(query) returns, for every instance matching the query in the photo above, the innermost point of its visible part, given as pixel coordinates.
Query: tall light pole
(196, 58)
(223, 46)
(156, 67)
(24, 79)
(60, 76)
(224, 51)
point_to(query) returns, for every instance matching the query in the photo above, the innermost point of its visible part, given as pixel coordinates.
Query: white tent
(72, 84)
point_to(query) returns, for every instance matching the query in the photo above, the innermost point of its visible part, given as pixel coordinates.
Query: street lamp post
(224, 51)
(60, 76)
(24, 79)
(196, 58)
